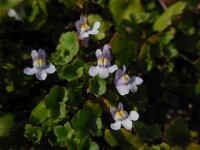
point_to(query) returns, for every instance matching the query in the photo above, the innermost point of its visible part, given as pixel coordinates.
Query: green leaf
(86, 122)
(55, 101)
(105, 25)
(93, 146)
(73, 71)
(33, 133)
(63, 134)
(166, 18)
(122, 138)
(177, 133)
(93, 106)
(124, 50)
(147, 133)
(6, 124)
(40, 113)
(97, 86)
(67, 48)
(122, 9)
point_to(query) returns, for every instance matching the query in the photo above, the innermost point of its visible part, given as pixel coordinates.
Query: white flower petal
(97, 25)
(127, 123)
(136, 80)
(34, 54)
(103, 73)
(84, 35)
(12, 12)
(124, 68)
(113, 111)
(132, 87)
(112, 69)
(41, 74)
(116, 125)
(93, 32)
(133, 115)
(98, 53)
(51, 69)
(118, 75)
(42, 54)
(93, 71)
(30, 71)
(123, 89)
(120, 106)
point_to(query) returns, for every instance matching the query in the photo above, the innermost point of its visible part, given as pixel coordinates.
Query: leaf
(93, 106)
(63, 134)
(177, 133)
(147, 133)
(33, 133)
(122, 9)
(55, 102)
(93, 146)
(124, 50)
(86, 122)
(105, 25)
(97, 86)
(40, 113)
(122, 138)
(166, 18)
(67, 48)
(6, 124)
(73, 71)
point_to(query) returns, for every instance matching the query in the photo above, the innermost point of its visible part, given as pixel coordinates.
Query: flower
(18, 14)
(124, 82)
(84, 30)
(103, 67)
(122, 118)
(40, 68)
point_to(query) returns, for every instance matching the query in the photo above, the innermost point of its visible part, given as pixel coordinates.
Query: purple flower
(122, 118)
(40, 68)
(103, 67)
(84, 30)
(124, 82)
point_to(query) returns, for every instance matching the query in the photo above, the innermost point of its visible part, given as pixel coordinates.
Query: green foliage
(67, 48)
(6, 124)
(177, 133)
(148, 133)
(156, 40)
(97, 86)
(166, 18)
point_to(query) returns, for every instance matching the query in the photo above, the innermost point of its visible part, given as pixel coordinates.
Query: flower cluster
(123, 82)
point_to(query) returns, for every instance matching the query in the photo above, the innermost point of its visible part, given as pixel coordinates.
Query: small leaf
(177, 133)
(165, 19)
(40, 113)
(124, 50)
(122, 138)
(86, 122)
(93, 106)
(55, 102)
(33, 133)
(67, 48)
(147, 133)
(73, 71)
(97, 86)
(6, 124)
(122, 9)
